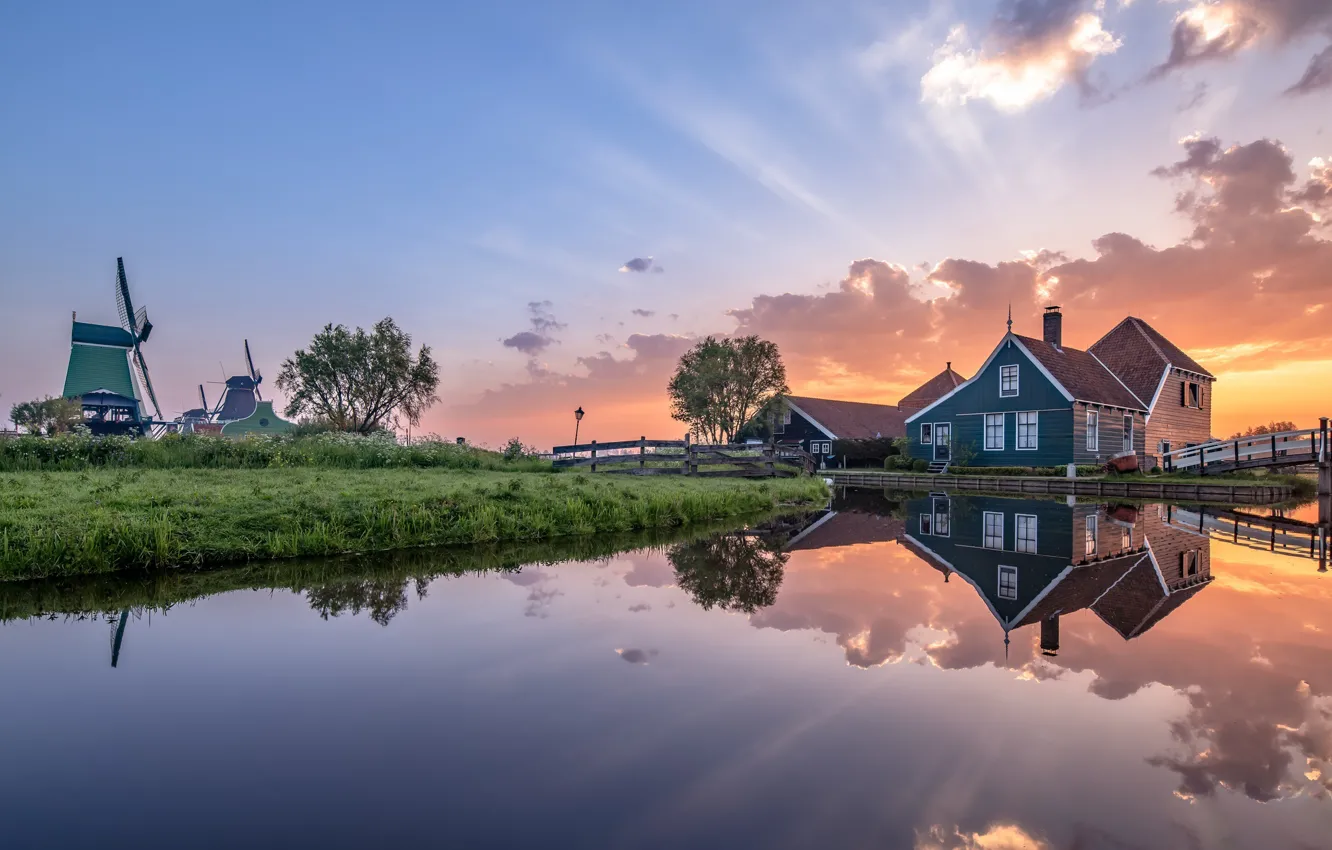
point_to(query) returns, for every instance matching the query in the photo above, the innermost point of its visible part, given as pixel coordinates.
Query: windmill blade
(123, 301)
(141, 322)
(142, 367)
(203, 400)
(254, 373)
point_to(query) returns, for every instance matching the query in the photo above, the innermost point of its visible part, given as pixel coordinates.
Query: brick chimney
(1054, 326)
(1050, 635)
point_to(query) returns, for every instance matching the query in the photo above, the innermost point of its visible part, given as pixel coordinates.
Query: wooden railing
(684, 457)
(1287, 448)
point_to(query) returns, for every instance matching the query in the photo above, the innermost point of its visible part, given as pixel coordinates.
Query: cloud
(637, 656)
(540, 337)
(1317, 190)
(1214, 30)
(641, 264)
(1030, 50)
(644, 313)
(642, 606)
(1317, 76)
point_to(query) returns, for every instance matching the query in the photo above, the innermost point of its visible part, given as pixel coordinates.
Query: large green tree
(734, 572)
(47, 416)
(360, 381)
(721, 384)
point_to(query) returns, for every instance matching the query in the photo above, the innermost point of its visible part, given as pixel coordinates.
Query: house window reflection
(994, 530)
(1026, 534)
(1008, 588)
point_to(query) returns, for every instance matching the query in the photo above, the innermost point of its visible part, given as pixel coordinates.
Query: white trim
(1096, 432)
(125, 348)
(923, 426)
(1044, 593)
(985, 531)
(930, 517)
(1165, 375)
(1037, 410)
(948, 512)
(793, 406)
(1044, 371)
(1017, 381)
(1003, 432)
(999, 585)
(1091, 533)
(1116, 377)
(1036, 534)
(1017, 432)
(934, 451)
(985, 597)
(820, 521)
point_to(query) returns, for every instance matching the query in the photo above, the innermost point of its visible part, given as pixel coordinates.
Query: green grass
(102, 520)
(350, 579)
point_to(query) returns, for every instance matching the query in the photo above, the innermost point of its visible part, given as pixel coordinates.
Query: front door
(1128, 435)
(943, 433)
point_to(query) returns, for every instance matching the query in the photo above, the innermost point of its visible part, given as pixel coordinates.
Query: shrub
(897, 462)
(919, 465)
(1155, 470)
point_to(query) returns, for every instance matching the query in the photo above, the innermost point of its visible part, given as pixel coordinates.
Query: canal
(903, 670)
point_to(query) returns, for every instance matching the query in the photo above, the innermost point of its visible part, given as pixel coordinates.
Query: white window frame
(927, 433)
(1091, 533)
(1130, 427)
(1093, 441)
(1019, 542)
(1012, 591)
(927, 521)
(1035, 434)
(946, 513)
(1016, 380)
(985, 530)
(985, 430)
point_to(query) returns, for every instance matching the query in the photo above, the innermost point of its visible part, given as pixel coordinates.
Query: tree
(733, 572)
(47, 416)
(1269, 428)
(359, 381)
(720, 385)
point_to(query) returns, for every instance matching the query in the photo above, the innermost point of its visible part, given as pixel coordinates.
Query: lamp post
(578, 418)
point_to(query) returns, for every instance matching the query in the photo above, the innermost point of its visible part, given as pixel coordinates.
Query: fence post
(1274, 454)
(687, 451)
(1237, 442)
(642, 450)
(594, 455)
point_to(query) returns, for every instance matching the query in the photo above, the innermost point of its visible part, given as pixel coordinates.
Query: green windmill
(107, 372)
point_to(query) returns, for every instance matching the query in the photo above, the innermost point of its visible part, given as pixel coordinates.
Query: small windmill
(241, 396)
(139, 328)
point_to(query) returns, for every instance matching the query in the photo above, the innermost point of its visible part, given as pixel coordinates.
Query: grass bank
(102, 520)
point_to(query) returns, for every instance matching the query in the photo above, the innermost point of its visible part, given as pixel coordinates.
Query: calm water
(914, 672)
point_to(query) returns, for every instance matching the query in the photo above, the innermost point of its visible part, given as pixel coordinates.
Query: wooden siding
(1175, 423)
(1171, 541)
(1035, 393)
(802, 430)
(1110, 434)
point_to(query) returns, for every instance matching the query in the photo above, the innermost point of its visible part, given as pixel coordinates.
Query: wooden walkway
(1266, 451)
(684, 457)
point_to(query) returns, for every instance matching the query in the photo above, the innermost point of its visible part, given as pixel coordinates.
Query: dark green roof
(101, 335)
(94, 367)
(262, 421)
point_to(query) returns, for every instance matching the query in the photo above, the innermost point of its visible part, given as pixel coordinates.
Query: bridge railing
(1281, 449)
(683, 457)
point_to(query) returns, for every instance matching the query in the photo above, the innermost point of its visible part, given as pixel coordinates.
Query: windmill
(139, 328)
(241, 396)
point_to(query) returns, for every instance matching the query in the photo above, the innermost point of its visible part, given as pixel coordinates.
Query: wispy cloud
(541, 335)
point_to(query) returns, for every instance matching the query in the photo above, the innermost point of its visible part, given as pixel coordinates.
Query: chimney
(1050, 635)
(949, 367)
(1054, 326)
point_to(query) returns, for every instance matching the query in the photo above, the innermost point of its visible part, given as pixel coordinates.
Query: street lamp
(578, 418)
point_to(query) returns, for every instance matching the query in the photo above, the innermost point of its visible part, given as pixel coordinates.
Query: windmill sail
(139, 327)
(254, 373)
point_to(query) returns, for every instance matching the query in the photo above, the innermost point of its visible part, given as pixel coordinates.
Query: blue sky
(267, 168)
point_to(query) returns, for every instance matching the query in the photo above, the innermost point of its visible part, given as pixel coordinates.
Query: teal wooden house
(1034, 402)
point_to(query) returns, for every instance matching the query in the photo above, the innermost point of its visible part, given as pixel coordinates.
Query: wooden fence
(684, 457)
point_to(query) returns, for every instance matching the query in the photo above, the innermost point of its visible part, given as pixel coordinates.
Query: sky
(559, 201)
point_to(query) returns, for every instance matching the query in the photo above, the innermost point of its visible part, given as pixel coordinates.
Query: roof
(262, 421)
(1139, 601)
(1081, 374)
(932, 390)
(1139, 354)
(847, 529)
(94, 367)
(1081, 587)
(101, 335)
(852, 420)
(236, 404)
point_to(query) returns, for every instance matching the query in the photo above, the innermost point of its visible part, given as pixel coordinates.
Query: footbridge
(1308, 447)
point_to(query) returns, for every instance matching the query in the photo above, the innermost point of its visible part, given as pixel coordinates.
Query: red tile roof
(1139, 354)
(853, 420)
(1082, 587)
(932, 390)
(848, 528)
(1082, 374)
(1139, 601)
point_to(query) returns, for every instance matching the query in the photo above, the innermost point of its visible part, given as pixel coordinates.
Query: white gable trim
(1022, 615)
(1165, 373)
(1044, 371)
(955, 571)
(811, 419)
(1116, 377)
(955, 390)
(820, 521)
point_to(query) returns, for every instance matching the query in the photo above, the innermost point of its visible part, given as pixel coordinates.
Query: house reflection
(1034, 561)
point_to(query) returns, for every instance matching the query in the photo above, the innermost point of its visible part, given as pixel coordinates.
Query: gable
(1139, 356)
(97, 367)
(932, 390)
(1037, 388)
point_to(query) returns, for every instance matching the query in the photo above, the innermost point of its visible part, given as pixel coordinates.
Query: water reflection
(901, 670)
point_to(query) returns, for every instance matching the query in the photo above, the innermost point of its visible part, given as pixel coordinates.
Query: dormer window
(1008, 381)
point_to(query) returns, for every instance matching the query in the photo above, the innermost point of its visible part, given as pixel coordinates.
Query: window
(994, 530)
(1026, 534)
(1026, 429)
(941, 517)
(1126, 539)
(1091, 534)
(1008, 380)
(1188, 563)
(815, 447)
(926, 434)
(926, 523)
(1007, 582)
(783, 422)
(1093, 430)
(1195, 395)
(994, 432)
(1128, 433)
